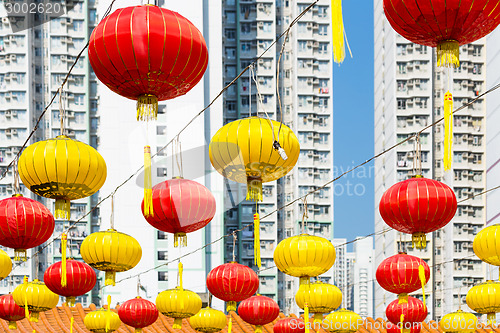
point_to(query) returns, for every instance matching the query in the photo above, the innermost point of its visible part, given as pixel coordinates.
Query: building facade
(409, 92)
(305, 83)
(362, 275)
(34, 60)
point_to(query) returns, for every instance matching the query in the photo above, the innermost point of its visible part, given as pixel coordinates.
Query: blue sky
(353, 125)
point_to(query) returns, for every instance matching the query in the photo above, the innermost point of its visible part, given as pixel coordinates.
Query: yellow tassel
(64, 240)
(26, 311)
(12, 325)
(181, 286)
(20, 255)
(177, 323)
(148, 193)
(231, 306)
(71, 322)
(402, 319)
(34, 316)
(448, 54)
(448, 130)
(63, 209)
(419, 240)
(402, 298)
(491, 319)
(318, 318)
(138, 330)
(306, 317)
(108, 317)
(71, 300)
(421, 275)
(180, 239)
(258, 329)
(254, 189)
(147, 107)
(338, 32)
(230, 325)
(256, 239)
(109, 278)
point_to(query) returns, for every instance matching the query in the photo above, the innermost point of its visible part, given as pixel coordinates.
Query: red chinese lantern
(443, 24)
(80, 279)
(232, 283)
(180, 206)
(417, 206)
(10, 311)
(289, 325)
(258, 310)
(403, 274)
(149, 54)
(407, 328)
(413, 311)
(138, 313)
(24, 223)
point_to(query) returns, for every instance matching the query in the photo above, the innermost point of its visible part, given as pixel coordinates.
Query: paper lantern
(80, 278)
(62, 169)
(403, 274)
(407, 328)
(304, 256)
(34, 297)
(342, 321)
(244, 151)
(259, 311)
(232, 282)
(459, 322)
(5, 264)
(10, 311)
(418, 206)
(289, 325)
(24, 224)
(138, 313)
(485, 245)
(443, 24)
(485, 298)
(102, 320)
(180, 206)
(208, 320)
(111, 251)
(178, 303)
(412, 311)
(320, 298)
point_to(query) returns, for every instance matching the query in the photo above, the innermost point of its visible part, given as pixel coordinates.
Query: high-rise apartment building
(305, 83)
(409, 91)
(362, 275)
(34, 60)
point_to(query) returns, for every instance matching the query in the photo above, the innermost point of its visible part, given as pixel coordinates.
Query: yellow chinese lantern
(485, 298)
(320, 297)
(459, 322)
(5, 265)
(208, 320)
(102, 320)
(304, 256)
(253, 151)
(178, 303)
(342, 321)
(111, 251)
(62, 169)
(34, 297)
(486, 246)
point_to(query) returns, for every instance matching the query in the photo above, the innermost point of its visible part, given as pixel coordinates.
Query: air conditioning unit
(5, 20)
(13, 57)
(63, 58)
(14, 132)
(309, 81)
(14, 113)
(309, 25)
(260, 24)
(69, 20)
(309, 43)
(7, 113)
(8, 131)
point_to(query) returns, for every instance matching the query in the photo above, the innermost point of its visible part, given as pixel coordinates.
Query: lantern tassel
(64, 240)
(71, 301)
(256, 239)
(419, 240)
(254, 189)
(338, 32)
(306, 317)
(26, 310)
(180, 239)
(402, 298)
(401, 321)
(109, 278)
(108, 317)
(491, 319)
(147, 107)
(20, 255)
(448, 130)
(63, 209)
(71, 322)
(177, 324)
(448, 54)
(230, 325)
(138, 330)
(421, 275)
(12, 325)
(258, 329)
(318, 318)
(148, 192)
(181, 286)
(231, 306)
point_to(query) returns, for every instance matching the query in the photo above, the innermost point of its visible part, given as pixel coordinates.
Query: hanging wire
(138, 285)
(278, 79)
(235, 237)
(305, 216)
(250, 76)
(62, 111)
(17, 187)
(112, 216)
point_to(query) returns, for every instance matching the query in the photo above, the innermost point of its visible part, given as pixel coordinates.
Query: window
(162, 255)
(323, 29)
(323, 48)
(246, 28)
(162, 235)
(246, 46)
(322, 11)
(230, 53)
(302, 45)
(161, 172)
(162, 276)
(267, 27)
(302, 27)
(230, 34)
(230, 17)
(401, 104)
(302, 101)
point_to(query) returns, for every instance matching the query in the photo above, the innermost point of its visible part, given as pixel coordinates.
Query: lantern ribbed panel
(95, 321)
(289, 325)
(38, 296)
(484, 297)
(232, 282)
(62, 168)
(81, 278)
(181, 206)
(258, 310)
(24, 223)
(243, 149)
(169, 303)
(9, 310)
(459, 322)
(342, 321)
(304, 255)
(5, 264)
(148, 50)
(433, 21)
(413, 310)
(400, 273)
(208, 320)
(320, 297)
(487, 245)
(138, 312)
